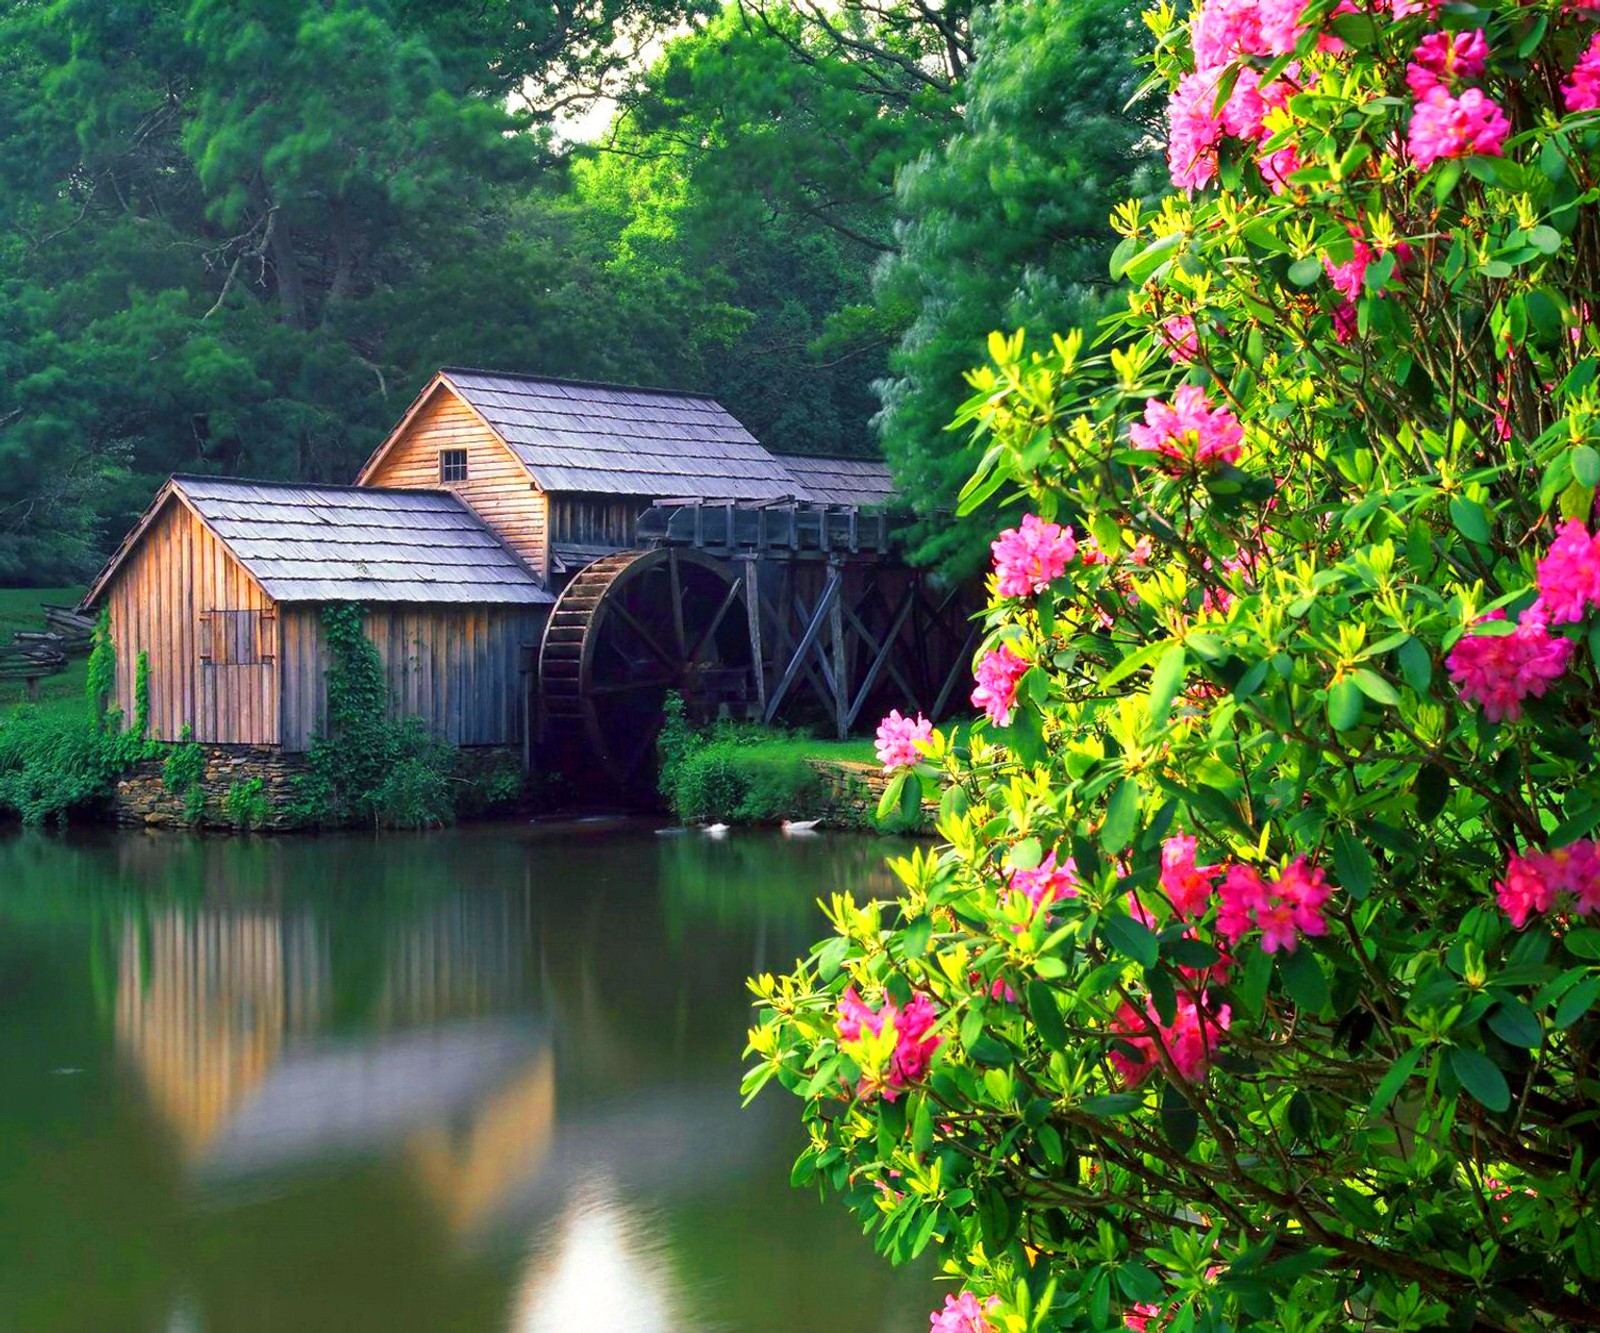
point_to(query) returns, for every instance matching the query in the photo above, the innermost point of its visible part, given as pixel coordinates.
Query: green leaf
(1415, 665)
(1112, 1103)
(891, 795)
(1130, 938)
(1252, 990)
(1547, 240)
(1138, 1283)
(1481, 1077)
(1179, 1121)
(1304, 272)
(1046, 1015)
(1303, 979)
(1165, 681)
(1344, 704)
(971, 1026)
(1471, 520)
(1026, 854)
(1513, 1022)
(1352, 863)
(987, 1051)
(1583, 943)
(1577, 1002)
(1586, 465)
(922, 1128)
(1375, 687)
(1148, 260)
(1391, 1083)
(1122, 817)
(915, 936)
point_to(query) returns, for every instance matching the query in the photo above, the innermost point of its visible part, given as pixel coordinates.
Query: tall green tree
(235, 235)
(1005, 226)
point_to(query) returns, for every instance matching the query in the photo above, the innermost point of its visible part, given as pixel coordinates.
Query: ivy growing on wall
(368, 768)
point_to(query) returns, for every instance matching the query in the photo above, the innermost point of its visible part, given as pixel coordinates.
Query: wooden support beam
(819, 618)
(735, 590)
(841, 682)
(884, 648)
(752, 607)
(958, 669)
(912, 696)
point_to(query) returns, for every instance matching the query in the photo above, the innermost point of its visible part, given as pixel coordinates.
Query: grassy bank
(741, 774)
(22, 609)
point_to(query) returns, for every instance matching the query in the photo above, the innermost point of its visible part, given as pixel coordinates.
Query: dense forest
(237, 235)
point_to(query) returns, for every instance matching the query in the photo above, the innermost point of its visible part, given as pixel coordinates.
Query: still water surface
(477, 1080)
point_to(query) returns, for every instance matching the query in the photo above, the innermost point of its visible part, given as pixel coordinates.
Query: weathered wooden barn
(220, 586)
(483, 504)
(564, 470)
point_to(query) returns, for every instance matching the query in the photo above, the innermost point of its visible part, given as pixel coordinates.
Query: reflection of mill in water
(225, 1013)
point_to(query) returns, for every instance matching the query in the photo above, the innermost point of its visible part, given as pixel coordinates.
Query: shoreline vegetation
(741, 773)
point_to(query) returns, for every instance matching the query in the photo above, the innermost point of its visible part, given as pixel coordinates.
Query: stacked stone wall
(852, 792)
(144, 799)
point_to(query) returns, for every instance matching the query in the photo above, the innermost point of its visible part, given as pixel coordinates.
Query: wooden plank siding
(597, 520)
(497, 486)
(458, 668)
(178, 572)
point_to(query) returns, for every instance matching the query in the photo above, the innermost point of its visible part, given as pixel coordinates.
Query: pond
(477, 1080)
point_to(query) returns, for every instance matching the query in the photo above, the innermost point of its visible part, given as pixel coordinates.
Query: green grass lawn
(20, 609)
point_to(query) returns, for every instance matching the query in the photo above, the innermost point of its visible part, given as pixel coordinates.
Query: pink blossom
(1444, 59)
(1443, 126)
(1533, 879)
(1189, 1041)
(963, 1314)
(997, 676)
(1224, 30)
(1193, 132)
(1028, 559)
(1345, 322)
(1348, 277)
(1525, 889)
(1138, 1319)
(1243, 894)
(913, 1050)
(1047, 881)
(1498, 672)
(902, 740)
(1179, 336)
(1305, 888)
(1189, 430)
(1276, 167)
(1583, 93)
(1188, 886)
(1403, 9)
(1569, 575)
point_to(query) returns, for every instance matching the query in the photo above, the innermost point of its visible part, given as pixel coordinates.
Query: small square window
(452, 465)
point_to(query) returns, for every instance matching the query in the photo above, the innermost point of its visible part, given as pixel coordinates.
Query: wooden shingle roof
(349, 544)
(620, 441)
(840, 481)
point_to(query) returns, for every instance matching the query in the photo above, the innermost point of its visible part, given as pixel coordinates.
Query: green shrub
(731, 772)
(183, 773)
(245, 804)
(54, 761)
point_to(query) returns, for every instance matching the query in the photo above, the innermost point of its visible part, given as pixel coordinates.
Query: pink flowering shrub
(902, 741)
(1282, 823)
(1029, 558)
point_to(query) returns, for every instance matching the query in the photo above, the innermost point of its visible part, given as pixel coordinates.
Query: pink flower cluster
(1534, 879)
(901, 740)
(1569, 575)
(1138, 1319)
(913, 1047)
(1499, 671)
(1282, 909)
(1047, 882)
(1445, 124)
(1188, 886)
(963, 1314)
(1223, 31)
(1180, 337)
(997, 675)
(1028, 559)
(1583, 93)
(1189, 1040)
(1189, 430)
(1444, 59)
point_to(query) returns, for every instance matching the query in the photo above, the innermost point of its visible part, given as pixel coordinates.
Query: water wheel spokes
(629, 629)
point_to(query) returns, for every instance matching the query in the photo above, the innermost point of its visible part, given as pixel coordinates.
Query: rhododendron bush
(1254, 979)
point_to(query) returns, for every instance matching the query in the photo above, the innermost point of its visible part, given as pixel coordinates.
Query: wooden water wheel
(628, 629)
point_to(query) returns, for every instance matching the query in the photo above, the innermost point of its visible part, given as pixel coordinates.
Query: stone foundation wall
(144, 799)
(853, 791)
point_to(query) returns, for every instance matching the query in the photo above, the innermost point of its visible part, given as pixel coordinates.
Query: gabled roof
(348, 543)
(840, 481)
(603, 438)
